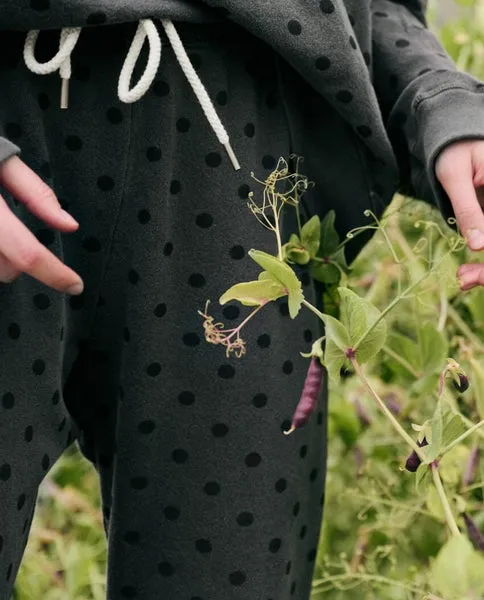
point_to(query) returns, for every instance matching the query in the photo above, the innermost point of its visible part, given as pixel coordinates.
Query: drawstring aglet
(64, 93)
(232, 156)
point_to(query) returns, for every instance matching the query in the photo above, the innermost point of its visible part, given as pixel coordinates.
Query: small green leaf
(453, 463)
(337, 342)
(334, 360)
(329, 240)
(453, 428)
(337, 332)
(432, 347)
(254, 293)
(458, 570)
(284, 275)
(423, 478)
(325, 273)
(295, 253)
(359, 316)
(310, 235)
(340, 258)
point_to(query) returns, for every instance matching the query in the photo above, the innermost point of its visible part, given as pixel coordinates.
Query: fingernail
(67, 218)
(76, 289)
(475, 239)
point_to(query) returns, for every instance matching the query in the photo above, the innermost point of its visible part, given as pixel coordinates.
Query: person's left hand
(460, 170)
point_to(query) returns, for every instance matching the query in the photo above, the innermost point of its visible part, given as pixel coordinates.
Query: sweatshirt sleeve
(426, 102)
(7, 149)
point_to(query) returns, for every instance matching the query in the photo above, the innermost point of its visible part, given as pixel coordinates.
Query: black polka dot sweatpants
(204, 498)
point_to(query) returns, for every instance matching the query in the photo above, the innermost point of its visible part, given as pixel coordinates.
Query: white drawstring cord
(146, 29)
(60, 62)
(199, 89)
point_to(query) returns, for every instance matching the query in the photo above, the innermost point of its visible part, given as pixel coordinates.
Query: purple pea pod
(362, 414)
(473, 532)
(463, 383)
(471, 467)
(309, 397)
(393, 404)
(413, 461)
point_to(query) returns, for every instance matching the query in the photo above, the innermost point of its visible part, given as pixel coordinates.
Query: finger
(28, 255)
(456, 178)
(466, 267)
(7, 271)
(470, 277)
(29, 189)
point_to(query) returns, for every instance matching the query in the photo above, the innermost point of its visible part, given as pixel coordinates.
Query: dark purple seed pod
(361, 412)
(413, 461)
(471, 467)
(310, 395)
(463, 384)
(392, 403)
(473, 532)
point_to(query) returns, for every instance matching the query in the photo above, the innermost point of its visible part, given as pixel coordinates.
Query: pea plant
(359, 333)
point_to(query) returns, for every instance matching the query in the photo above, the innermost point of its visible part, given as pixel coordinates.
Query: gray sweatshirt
(373, 61)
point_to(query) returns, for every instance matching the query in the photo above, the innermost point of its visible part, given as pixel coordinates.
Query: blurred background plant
(382, 538)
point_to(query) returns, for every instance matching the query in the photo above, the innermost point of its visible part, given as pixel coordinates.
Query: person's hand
(460, 170)
(20, 251)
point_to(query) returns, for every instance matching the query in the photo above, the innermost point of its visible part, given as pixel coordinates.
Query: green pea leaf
(310, 235)
(423, 478)
(458, 570)
(329, 238)
(325, 273)
(359, 316)
(432, 348)
(254, 293)
(426, 352)
(337, 342)
(295, 252)
(284, 275)
(446, 427)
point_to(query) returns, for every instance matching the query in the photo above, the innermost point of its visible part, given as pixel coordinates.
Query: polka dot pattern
(194, 468)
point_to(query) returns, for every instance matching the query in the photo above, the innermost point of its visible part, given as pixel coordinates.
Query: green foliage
(385, 535)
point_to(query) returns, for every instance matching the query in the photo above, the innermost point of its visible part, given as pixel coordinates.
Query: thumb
(455, 171)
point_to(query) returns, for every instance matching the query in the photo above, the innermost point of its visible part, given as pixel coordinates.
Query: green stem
(444, 307)
(396, 425)
(444, 500)
(402, 361)
(313, 309)
(462, 437)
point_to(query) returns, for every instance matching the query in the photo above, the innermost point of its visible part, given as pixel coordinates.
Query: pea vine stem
(444, 500)
(396, 425)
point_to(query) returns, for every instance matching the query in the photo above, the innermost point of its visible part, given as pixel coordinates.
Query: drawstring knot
(146, 30)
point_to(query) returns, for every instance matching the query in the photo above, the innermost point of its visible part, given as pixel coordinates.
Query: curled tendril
(216, 334)
(420, 246)
(281, 187)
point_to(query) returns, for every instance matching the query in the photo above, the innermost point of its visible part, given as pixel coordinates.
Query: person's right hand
(20, 251)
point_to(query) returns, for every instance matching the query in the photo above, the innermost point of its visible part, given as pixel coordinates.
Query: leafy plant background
(381, 539)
